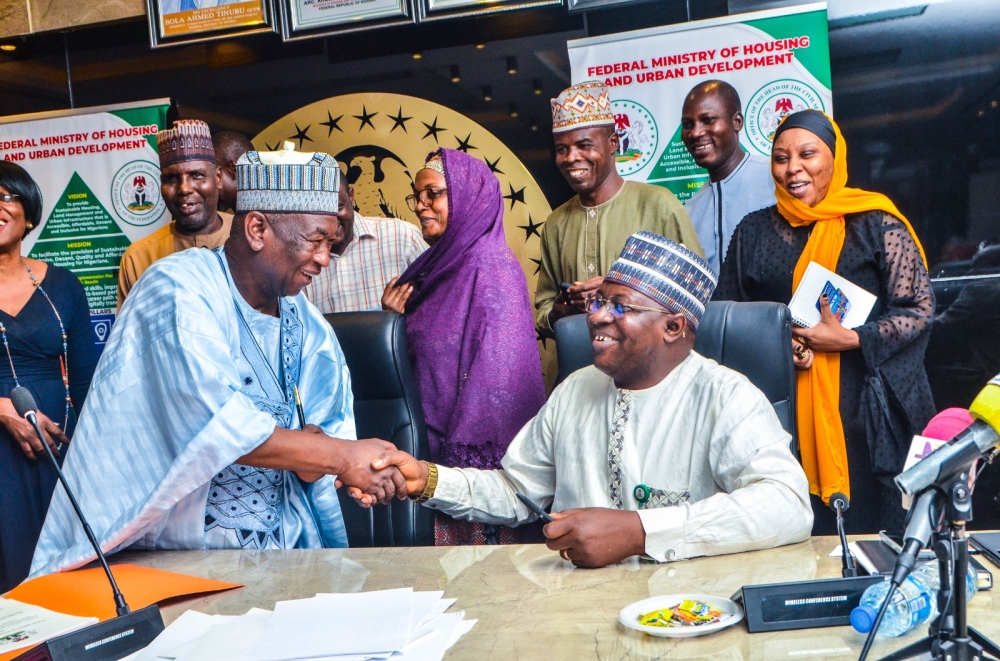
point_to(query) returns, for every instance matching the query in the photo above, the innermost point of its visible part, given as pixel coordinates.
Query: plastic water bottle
(913, 603)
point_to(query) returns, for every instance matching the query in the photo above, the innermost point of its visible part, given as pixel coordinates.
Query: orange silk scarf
(821, 430)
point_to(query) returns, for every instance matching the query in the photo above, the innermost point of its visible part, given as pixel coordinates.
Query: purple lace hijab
(469, 326)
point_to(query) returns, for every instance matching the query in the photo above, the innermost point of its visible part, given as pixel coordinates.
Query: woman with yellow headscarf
(862, 393)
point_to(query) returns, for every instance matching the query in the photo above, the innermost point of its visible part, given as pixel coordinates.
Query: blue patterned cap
(667, 272)
(287, 181)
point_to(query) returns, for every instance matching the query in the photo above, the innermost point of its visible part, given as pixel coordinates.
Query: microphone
(958, 453)
(839, 504)
(104, 641)
(924, 516)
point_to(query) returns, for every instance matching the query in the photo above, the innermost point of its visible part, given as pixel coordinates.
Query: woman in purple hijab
(469, 327)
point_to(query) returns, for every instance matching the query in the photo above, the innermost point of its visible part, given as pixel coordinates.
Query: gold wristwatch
(430, 486)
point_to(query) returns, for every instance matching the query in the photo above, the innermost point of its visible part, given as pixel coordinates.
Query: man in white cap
(583, 237)
(653, 450)
(190, 439)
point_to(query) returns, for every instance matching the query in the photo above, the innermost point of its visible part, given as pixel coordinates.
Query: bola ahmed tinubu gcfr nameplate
(804, 604)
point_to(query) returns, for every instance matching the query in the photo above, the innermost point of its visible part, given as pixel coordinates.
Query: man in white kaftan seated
(190, 438)
(653, 450)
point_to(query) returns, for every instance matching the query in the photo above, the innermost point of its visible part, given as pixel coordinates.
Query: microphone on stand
(981, 438)
(925, 514)
(105, 641)
(839, 504)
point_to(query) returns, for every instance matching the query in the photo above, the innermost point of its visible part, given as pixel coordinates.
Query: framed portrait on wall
(305, 19)
(176, 22)
(585, 5)
(437, 9)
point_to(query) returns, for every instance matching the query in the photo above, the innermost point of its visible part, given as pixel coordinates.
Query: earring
(31, 226)
(684, 333)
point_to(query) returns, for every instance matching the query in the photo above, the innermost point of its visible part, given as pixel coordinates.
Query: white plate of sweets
(681, 615)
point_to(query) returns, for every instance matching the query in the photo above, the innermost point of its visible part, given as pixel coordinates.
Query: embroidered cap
(435, 162)
(667, 272)
(287, 181)
(586, 104)
(188, 140)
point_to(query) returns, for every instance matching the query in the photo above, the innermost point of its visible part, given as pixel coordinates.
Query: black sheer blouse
(885, 397)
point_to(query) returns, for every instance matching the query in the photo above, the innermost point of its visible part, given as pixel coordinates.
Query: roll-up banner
(778, 61)
(99, 172)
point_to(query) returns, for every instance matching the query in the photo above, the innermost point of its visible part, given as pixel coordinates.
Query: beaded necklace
(63, 360)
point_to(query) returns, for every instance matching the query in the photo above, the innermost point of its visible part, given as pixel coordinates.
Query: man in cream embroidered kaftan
(654, 450)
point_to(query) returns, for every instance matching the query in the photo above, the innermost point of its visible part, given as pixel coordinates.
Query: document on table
(334, 624)
(391, 625)
(190, 626)
(24, 625)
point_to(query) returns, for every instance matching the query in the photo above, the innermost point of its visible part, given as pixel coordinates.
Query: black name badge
(804, 604)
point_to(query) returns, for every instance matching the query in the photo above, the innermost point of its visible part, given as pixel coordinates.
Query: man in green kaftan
(584, 236)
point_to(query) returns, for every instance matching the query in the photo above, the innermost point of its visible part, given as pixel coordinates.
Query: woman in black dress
(862, 393)
(46, 346)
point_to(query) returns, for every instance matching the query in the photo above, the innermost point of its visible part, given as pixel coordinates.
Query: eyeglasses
(8, 198)
(617, 310)
(425, 197)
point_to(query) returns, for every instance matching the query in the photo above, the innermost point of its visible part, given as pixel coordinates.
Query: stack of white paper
(396, 625)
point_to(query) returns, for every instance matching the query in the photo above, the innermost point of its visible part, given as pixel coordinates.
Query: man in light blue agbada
(190, 438)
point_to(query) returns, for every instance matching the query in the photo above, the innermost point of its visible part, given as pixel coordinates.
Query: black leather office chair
(387, 406)
(754, 339)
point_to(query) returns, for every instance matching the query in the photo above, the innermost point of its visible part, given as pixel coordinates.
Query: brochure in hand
(850, 304)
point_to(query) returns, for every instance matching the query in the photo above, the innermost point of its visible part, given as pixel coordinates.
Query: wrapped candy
(687, 613)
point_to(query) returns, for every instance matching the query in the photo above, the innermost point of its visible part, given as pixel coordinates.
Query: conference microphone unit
(112, 639)
(957, 454)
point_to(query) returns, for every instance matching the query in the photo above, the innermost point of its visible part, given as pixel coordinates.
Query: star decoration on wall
(464, 145)
(396, 155)
(331, 124)
(365, 117)
(514, 196)
(433, 129)
(301, 135)
(493, 166)
(531, 228)
(398, 121)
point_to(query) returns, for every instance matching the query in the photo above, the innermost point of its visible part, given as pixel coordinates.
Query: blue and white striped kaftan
(173, 405)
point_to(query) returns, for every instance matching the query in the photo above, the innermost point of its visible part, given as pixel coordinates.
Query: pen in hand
(298, 407)
(531, 505)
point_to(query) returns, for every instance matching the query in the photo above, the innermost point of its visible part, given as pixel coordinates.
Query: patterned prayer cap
(667, 272)
(287, 181)
(586, 104)
(189, 140)
(435, 162)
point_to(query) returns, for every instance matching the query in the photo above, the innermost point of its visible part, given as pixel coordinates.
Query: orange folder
(86, 593)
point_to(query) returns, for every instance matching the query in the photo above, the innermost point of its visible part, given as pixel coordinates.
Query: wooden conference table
(532, 605)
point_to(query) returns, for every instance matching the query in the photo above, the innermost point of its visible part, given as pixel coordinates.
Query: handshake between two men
(588, 537)
(375, 472)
